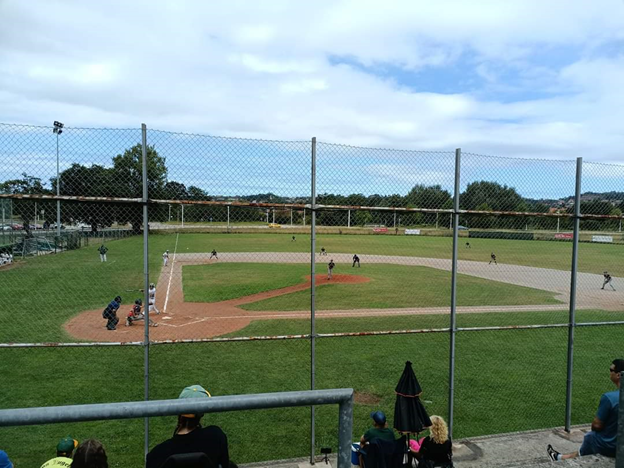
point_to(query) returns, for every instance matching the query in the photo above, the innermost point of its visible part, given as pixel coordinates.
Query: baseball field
(506, 380)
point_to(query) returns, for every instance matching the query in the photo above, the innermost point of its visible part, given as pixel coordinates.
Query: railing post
(312, 296)
(345, 433)
(572, 319)
(146, 277)
(619, 456)
(453, 326)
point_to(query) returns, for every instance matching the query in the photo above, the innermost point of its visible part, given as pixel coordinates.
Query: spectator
(90, 454)
(380, 430)
(435, 449)
(190, 437)
(4, 460)
(64, 451)
(603, 435)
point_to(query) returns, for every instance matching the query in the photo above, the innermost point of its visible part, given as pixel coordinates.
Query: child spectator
(90, 454)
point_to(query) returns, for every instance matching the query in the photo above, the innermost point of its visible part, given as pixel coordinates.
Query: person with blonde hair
(436, 449)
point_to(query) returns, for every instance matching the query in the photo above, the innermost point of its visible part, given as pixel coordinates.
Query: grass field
(390, 286)
(505, 380)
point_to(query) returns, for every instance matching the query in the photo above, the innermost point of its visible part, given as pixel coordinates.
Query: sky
(513, 79)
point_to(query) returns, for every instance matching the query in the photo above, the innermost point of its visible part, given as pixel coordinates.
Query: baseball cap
(4, 460)
(379, 417)
(66, 445)
(194, 391)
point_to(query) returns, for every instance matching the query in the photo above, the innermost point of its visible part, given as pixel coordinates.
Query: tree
(94, 181)
(128, 175)
(25, 209)
(429, 197)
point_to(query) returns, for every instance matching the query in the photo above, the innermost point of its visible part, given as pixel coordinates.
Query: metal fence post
(312, 295)
(572, 319)
(619, 456)
(453, 327)
(345, 432)
(146, 276)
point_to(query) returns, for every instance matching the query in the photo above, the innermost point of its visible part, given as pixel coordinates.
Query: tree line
(124, 180)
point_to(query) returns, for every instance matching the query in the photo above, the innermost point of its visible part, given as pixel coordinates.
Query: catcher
(135, 314)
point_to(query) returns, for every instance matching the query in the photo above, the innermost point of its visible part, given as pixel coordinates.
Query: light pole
(58, 129)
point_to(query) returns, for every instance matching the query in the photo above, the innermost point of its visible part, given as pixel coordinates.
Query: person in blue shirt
(110, 313)
(603, 435)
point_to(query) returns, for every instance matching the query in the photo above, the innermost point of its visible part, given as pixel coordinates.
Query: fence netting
(234, 239)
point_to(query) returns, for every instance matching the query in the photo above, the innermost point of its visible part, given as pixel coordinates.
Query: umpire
(110, 313)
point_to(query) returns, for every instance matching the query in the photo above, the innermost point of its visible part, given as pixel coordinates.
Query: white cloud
(263, 69)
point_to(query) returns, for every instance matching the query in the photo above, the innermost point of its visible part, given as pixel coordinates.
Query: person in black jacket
(190, 437)
(436, 449)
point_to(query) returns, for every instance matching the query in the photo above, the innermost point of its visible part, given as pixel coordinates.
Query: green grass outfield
(505, 381)
(390, 286)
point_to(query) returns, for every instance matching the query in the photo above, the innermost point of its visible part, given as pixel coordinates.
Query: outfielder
(213, 254)
(152, 299)
(323, 251)
(492, 259)
(330, 267)
(356, 259)
(607, 280)
(103, 249)
(110, 313)
(165, 258)
(135, 314)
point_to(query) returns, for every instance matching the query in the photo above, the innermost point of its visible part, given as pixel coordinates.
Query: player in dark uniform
(330, 267)
(323, 251)
(467, 245)
(356, 259)
(607, 280)
(213, 254)
(293, 239)
(493, 259)
(110, 313)
(135, 314)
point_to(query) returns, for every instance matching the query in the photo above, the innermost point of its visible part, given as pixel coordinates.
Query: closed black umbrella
(410, 416)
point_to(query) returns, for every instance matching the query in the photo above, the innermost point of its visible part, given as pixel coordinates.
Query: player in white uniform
(165, 258)
(152, 299)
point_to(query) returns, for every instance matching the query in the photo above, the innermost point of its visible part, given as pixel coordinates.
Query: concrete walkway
(515, 450)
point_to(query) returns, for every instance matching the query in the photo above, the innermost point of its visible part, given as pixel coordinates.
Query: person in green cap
(64, 450)
(190, 437)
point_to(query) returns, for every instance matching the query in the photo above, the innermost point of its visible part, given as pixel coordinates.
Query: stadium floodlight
(58, 129)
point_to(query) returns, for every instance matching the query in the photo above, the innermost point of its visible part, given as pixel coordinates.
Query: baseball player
(323, 251)
(467, 245)
(607, 280)
(492, 259)
(152, 299)
(103, 249)
(110, 313)
(293, 239)
(135, 314)
(356, 259)
(330, 267)
(213, 254)
(165, 258)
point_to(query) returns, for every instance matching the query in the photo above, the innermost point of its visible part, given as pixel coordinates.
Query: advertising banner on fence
(564, 235)
(380, 229)
(602, 239)
(412, 232)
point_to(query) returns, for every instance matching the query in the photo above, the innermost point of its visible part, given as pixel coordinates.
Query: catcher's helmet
(138, 302)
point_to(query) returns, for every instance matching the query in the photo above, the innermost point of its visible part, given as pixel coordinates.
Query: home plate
(167, 318)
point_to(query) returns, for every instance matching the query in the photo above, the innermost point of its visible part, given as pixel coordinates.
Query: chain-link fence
(272, 265)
